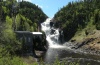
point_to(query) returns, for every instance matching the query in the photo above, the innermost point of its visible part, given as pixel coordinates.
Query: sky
(50, 7)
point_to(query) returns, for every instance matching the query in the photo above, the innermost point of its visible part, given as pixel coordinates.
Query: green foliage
(8, 40)
(18, 20)
(98, 26)
(11, 61)
(32, 12)
(35, 26)
(9, 22)
(78, 15)
(14, 16)
(97, 18)
(25, 24)
(23, 16)
(24, 13)
(18, 61)
(5, 10)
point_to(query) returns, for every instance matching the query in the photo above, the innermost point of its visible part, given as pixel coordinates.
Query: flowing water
(64, 52)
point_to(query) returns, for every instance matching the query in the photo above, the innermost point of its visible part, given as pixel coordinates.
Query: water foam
(52, 39)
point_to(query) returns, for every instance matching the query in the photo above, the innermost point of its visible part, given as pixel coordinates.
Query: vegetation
(78, 15)
(18, 61)
(16, 16)
(25, 16)
(19, 13)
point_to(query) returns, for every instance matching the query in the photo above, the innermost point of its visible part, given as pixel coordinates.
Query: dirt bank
(89, 43)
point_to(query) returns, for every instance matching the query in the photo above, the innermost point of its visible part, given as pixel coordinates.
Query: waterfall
(64, 51)
(51, 38)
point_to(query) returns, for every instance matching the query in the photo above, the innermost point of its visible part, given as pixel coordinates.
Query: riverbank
(89, 43)
(84, 47)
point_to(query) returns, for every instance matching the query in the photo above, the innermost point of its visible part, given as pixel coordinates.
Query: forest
(16, 16)
(78, 15)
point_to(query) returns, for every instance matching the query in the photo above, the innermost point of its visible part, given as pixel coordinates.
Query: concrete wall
(27, 39)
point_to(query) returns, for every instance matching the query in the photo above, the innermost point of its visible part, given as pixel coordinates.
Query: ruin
(30, 40)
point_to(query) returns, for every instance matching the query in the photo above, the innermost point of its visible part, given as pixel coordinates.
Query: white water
(52, 39)
(62, 51)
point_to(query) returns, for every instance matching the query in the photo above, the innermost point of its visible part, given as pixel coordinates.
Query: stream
(64, 52)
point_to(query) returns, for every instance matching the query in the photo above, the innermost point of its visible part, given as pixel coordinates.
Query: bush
(8, 40)
(98, 26)
(11, 61)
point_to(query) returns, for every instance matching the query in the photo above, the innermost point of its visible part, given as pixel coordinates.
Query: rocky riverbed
(89, 44)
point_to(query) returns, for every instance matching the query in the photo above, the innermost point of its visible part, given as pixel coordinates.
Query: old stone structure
(30, 40)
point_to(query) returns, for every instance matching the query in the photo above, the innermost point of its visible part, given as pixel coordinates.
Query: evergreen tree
(77, 15)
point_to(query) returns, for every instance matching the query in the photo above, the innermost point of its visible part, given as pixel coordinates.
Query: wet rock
(98, 42)
(73, 40)
(52, 31)
(51, 24)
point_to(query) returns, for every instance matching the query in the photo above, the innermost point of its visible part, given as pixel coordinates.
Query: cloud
(40, 6)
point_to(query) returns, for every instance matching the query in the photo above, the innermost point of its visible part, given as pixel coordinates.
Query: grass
(11, 61)
(80, 35)
(18, 61)
(7, 59)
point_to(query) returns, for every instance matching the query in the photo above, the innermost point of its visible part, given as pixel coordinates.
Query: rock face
(90, 43)
(51, 24)
(85, 42)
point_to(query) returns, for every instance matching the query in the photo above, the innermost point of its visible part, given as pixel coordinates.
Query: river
(64, 52)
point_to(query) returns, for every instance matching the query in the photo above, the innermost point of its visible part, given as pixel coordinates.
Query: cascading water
(64, 51)
(51, 38)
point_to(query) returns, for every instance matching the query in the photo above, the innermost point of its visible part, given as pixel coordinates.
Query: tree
(78, 15)
(24, 18)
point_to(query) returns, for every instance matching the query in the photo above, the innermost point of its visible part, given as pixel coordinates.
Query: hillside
(24, 15)
(80, 22)
(77, 15)
(16, 16)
